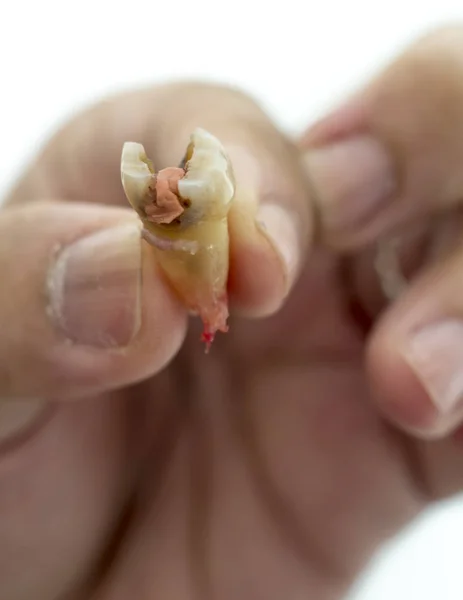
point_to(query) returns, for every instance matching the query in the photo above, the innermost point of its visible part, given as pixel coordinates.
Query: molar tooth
(193, 247)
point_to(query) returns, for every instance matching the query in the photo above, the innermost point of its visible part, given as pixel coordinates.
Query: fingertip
(390, 157)
(90, 310)
(270, 225)
(159, 330)
(397, 394)
(266, 252)
(257, 281)
(415, 375)
(163, 316)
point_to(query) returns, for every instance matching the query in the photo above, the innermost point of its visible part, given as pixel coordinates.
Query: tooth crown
(208, 185)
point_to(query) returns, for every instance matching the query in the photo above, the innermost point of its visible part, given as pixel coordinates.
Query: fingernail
(94, 288)
(279, 227)
(436, 356)
(353, 180)
(17, 416)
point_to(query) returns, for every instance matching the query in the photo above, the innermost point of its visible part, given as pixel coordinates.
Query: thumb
(74, 317)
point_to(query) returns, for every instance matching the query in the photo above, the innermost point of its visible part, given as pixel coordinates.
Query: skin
(275, 466)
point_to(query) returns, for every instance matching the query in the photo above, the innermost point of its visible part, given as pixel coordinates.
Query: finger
(415, 356)
(392, 155)
(83, 307)
(270, 222)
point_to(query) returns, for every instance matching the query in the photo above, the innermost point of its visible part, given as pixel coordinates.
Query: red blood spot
(207, 337)
(214, 318)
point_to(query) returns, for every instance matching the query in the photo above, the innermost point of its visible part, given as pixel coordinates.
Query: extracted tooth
(184, 211)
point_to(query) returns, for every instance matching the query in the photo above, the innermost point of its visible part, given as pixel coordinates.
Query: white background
(298, 58)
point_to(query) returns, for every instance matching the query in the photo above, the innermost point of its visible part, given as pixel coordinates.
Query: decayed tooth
(185, 215)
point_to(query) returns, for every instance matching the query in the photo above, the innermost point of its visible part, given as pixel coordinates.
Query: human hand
(265, 469)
